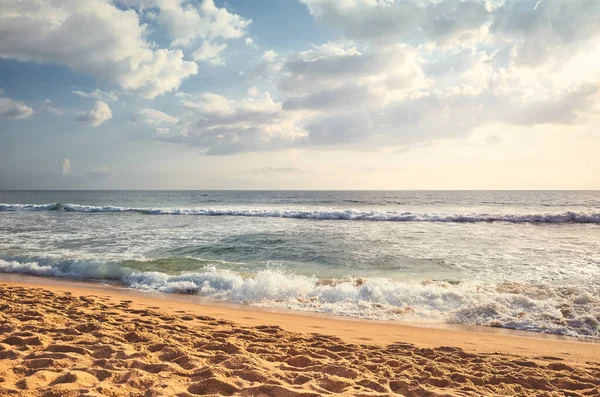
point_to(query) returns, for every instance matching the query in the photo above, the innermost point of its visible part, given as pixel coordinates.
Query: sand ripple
(58, 344)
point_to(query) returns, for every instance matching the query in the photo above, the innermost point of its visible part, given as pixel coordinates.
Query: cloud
(341, 95)
(333, 65)
(52, 109)
(209, 103)
(270, 63)
(565, 109)
(407, 72)
(65, 168)
(540, 30)
(152, 116)
(269, 56)
(98, 95)
(210, 53)
(93, 37)
(162, 130)
(250, 43)
(98, 115)
(186, 21)
(10, 109)
(215, 107)
(391, 20)
(532, 30)
(225, 126)
(48, 108)
(253, 92)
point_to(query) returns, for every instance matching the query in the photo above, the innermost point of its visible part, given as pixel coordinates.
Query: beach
(78, 339)
(299, 198)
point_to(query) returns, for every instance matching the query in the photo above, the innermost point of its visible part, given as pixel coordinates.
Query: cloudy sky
(308, 94)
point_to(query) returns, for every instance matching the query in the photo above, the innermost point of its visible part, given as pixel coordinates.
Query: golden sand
(96, 343)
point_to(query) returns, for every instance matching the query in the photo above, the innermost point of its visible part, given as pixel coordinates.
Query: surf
(568, 217)
(571, 311)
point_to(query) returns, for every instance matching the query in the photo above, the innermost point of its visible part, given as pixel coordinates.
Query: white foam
(28, 207)
(324, 214)
(571, 311)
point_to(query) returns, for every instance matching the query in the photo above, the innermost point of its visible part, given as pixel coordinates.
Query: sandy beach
(73, 339)
(299, 198)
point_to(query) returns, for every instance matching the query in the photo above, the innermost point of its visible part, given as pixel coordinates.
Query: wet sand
(77, 339)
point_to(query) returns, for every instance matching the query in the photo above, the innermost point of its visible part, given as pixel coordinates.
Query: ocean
(526, 260)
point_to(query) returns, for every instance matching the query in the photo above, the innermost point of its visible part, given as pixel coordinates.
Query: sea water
(527, 260)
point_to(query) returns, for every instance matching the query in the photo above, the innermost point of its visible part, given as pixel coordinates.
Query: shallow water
(522, 260)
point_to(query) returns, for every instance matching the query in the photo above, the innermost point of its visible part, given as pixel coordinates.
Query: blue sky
(309, 94)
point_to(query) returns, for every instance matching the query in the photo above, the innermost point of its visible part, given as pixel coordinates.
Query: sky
(299, 94)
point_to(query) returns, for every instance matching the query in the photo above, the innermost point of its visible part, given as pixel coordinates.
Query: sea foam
(573, 311)
(322, 214)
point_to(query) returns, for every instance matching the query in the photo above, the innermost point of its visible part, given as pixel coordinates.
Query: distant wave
(572, 311)
(29, 207)
(322, 214)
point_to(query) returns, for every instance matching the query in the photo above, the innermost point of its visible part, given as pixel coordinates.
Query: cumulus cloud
(225, 126)
(407, 72)
(470, 63)
(269, 65)
(152, 117)
(533, 30)
(342, 94)
(250, 42)
(337, 67)
(253, 92)
(210, 53)
(10, 109)
(441, 21)
(98, 115)
(59, 31)
(539, 30)
(187, 21)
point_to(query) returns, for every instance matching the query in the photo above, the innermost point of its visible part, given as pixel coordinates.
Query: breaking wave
(572, 311)
(323, 214)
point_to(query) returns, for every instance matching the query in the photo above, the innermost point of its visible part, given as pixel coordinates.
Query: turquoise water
(525, 260)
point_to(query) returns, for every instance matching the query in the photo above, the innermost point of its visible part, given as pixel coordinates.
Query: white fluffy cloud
(386, 94)
(541, 31)
(334, 66)
(250, 42)
(533, 30)
(93, 37)
(188, 21)
(225, 126)
(10, 109)
(211, 53)
(98, 115)
(152, 117)
(408, 71)
(392, 20)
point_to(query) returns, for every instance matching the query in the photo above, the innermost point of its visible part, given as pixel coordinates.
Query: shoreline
(472, 338)
(65, 340)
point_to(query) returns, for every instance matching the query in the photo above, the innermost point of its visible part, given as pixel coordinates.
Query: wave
(322, 214)
(572, 311)
(29, 207)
